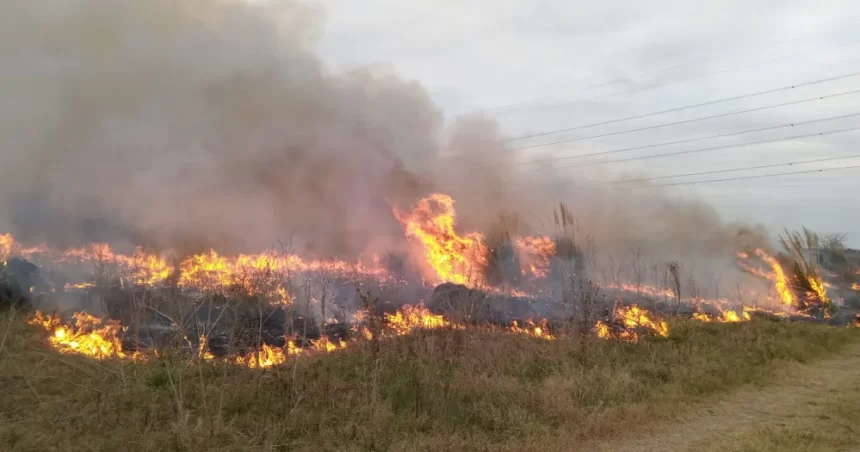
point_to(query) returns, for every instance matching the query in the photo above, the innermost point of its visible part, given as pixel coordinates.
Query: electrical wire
(690, 140)
(714, 148)
(758, 176)
(687, 107)
(733, 170)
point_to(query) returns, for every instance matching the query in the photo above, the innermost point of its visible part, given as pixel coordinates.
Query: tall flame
(454, 258)
(779, 278)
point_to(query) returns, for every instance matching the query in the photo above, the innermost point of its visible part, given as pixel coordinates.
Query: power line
(527, 105)
(650, 87)
(692, 140)
(758, 176)
(686, 107)
(748, 168)
(714, 148)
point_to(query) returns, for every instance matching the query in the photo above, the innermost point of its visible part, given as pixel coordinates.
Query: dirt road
(813, 407)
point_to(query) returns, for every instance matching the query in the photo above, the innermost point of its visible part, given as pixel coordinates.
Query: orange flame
(539, 330)
(633, 318)
(409, 318)
(255, 274)
(89, 335)
(6, 244)
(454, 258)
(778, 276)
(536, 253)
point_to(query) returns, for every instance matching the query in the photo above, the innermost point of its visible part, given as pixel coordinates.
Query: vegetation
(447, 389)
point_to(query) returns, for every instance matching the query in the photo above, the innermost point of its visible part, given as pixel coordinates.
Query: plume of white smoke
(212, 123)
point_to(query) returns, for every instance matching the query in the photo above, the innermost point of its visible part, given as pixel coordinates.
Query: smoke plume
(213, 123)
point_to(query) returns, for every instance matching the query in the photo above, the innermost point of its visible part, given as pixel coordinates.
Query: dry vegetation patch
(454, 389)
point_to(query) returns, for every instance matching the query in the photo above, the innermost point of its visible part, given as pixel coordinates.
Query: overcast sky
(543, 65)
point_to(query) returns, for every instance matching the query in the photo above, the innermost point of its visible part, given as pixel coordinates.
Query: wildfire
(409, 318)
(539, 330)
(6, 243)
(536, 253)
(88, 335)
(779, 278)
(263, 358)
(454, 258)
(633, 318)
(254, 273)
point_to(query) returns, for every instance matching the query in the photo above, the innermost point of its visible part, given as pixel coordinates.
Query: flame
(818, 287)
(733, 317)
(536, 253)
(633, 318)
(454, 258)
(539, 330)
(89, 335)
(79, 286)
(263, 358)
(703, 317)
(409, 318)
(778, 276)
(254, 273)
(6, 244)
(855, 286)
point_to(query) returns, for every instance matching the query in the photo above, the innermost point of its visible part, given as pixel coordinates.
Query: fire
(6, 244)
(733, 317)
(779, 278)
(253, 273)
(409, 318)
(818, 287)
(454, 258)
(855, 286)
(633, 318)
(263, 358)
(726, 317)
(703, 317)
(536, 253)
(89, 335)
(539, 330)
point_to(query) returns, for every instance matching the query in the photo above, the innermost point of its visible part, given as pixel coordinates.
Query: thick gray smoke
(212, 123)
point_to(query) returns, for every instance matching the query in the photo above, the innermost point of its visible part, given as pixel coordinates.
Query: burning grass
(438, 387)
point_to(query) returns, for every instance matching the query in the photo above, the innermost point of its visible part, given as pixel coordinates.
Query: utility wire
(529, 105)
(652, 86)
(714, 148)
(759, 176)
(687, 107)
(748, 168)
(692, 140)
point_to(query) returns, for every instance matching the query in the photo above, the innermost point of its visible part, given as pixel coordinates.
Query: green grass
(436, 390)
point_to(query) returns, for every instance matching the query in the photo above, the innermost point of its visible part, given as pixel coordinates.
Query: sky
(544, 65)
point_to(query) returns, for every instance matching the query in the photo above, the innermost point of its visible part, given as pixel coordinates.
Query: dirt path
(737, 418)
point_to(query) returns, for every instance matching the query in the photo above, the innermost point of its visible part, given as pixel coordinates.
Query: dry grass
(806, 408)
(434, 390)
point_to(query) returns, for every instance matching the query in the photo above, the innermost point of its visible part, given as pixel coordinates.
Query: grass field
(458, 390)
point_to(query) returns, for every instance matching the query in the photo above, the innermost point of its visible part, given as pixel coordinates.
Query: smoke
(213, 123)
